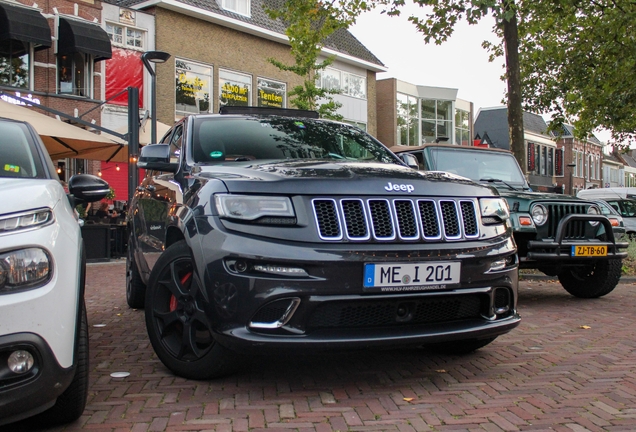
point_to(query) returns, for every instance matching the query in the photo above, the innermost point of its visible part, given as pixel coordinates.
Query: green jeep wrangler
(557, 234)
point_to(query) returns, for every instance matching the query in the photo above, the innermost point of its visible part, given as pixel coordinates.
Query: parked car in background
(43, 328)
(623, 200)
(267, 229)
(557, 234)
(615, 218)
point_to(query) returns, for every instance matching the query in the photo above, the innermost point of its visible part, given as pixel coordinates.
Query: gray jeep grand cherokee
(269, 229)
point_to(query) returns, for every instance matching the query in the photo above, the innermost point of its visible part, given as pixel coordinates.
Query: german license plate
(589, 250)
(396, 277)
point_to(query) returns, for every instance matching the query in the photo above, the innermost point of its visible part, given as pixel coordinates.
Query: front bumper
(328, 307)
(560, 247)
(25, 395)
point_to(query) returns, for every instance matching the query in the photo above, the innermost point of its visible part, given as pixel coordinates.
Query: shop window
(462, 129)
(193, 89)
(271, 93)
(235, 89)
(74, 74)
(241, 7)
(15, 63)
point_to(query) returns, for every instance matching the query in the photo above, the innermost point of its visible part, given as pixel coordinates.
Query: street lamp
(153, 57)
(571, 165)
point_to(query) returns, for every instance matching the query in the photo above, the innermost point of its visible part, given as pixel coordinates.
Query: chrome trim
(284, 319)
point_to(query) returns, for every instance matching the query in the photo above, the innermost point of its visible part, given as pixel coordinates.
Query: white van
(622, 199)
(606, 193)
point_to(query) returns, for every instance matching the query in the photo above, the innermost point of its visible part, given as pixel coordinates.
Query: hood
(24, 194)
(319, 177)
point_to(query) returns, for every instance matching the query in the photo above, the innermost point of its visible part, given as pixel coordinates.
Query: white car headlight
(539, 214)
(25, 220)
(24, 269)
(251, 207)
(494, 210)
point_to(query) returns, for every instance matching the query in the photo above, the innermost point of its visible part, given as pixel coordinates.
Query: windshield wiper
(492, 180)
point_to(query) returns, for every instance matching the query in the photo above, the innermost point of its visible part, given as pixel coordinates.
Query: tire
(135, 288)
(177, 319)
(460, 347)
(592, 281)
(70, 404)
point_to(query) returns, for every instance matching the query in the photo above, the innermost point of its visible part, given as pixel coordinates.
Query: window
(193, 90)
(357, 124)
(408, 119)
(354, 85)
(241, 7)
(125, 36)
(15, 63)
(271, 93)
(330, 79)
(462, 127)
(235, 89)
(74, 74)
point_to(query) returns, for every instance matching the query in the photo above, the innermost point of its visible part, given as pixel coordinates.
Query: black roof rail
(252, 110)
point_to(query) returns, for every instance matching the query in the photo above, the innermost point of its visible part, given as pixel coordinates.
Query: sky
(460, 62)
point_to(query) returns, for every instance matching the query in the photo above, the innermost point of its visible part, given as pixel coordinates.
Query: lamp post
(571, 165)
(153, 57)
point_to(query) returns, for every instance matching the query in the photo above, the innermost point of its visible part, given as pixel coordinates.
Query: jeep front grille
(397, 219)
(557, 211)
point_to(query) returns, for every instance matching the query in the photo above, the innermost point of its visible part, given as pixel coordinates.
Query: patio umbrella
(63, 140)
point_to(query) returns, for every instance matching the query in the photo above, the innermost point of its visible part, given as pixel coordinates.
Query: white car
(43, 328)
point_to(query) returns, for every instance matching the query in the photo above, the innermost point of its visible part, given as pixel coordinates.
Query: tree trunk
(515, 113)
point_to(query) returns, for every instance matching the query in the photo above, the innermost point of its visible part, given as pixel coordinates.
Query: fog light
(20, 361)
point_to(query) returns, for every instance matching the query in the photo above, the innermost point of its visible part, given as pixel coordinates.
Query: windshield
(16, 152)
(626, 208)
(219, 139)
(476, 165)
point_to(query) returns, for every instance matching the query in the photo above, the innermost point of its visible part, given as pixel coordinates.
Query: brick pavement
(550, 373)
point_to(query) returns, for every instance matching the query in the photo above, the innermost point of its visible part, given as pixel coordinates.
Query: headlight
(593, 210)
(494, 210)
(24, 269)
(249, 207)
(539, 214)
(25, 220)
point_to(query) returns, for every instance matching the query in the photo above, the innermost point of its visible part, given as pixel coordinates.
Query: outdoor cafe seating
(104, 237)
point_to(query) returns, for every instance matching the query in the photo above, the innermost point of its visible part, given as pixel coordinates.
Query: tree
(577, 61)
(439, 25)
(309, 25)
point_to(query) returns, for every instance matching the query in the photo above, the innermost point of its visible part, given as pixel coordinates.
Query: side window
(175, 144)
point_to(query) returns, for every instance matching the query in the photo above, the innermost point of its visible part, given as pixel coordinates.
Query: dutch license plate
(411, 277)
(589, 250)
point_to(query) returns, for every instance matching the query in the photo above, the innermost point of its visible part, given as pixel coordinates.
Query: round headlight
(539, 214)
(593, 210)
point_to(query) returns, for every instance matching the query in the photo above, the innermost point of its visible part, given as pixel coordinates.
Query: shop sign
(531, 164)
(558, 162)
(270, 98)
(234, 94)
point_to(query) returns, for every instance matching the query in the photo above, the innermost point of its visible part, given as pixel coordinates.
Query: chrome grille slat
(396, 219)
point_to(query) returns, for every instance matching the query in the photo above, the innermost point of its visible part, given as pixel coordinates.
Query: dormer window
(241, 7)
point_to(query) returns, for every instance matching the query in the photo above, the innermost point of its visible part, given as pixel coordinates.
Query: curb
(522, 277)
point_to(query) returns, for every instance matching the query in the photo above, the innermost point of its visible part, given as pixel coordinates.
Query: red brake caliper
(173, 299)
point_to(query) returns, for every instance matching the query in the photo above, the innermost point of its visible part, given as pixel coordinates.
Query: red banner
(558, 162)
(125, 69)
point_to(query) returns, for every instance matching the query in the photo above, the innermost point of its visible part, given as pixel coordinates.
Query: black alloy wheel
(178, 326)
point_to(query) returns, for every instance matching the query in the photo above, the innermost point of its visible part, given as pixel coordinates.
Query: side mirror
(409, 160)
(87, 188)
(156, 157)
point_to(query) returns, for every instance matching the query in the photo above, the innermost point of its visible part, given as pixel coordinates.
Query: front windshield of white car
(16, 152)
(235, 139)
(476, 165)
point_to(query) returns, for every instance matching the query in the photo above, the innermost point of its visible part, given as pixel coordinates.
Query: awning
(83, 37)
(63, 140)
(24, 24)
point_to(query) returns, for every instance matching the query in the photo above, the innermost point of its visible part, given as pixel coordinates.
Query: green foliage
(309, 24)
(577, 59)
(111, 194)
